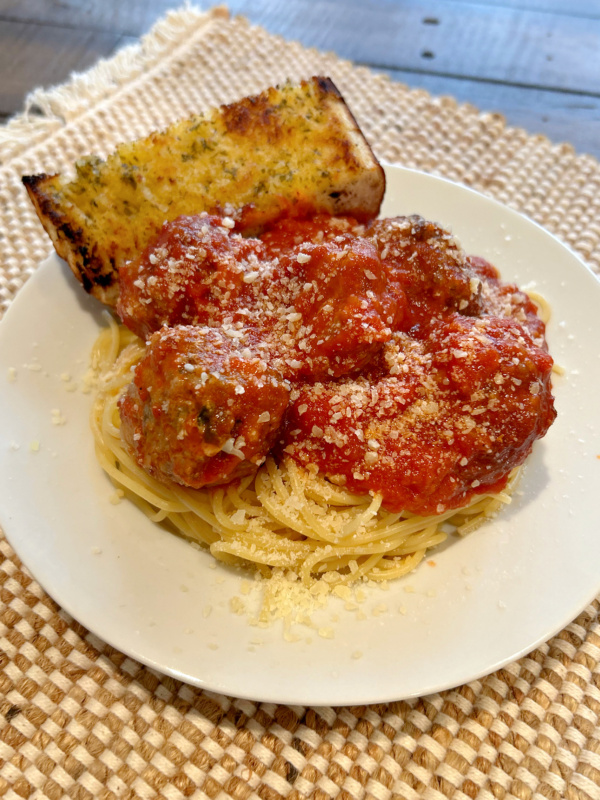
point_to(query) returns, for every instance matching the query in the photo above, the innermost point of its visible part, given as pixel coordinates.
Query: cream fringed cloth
(81, 720)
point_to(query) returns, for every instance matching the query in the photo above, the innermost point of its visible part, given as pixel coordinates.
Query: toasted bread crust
(70, 241)
(291, 150)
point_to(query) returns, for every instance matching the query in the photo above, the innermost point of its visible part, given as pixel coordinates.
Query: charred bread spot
(327, 86)
(252, 114)
(31, 181)
(105, 280)
(86, 282)
(74, 235)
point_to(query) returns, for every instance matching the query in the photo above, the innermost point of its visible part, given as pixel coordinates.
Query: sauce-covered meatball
(441, 422)
(499, 299)
(201, 410)
(345, 301)
(192, 274)
(431, 266)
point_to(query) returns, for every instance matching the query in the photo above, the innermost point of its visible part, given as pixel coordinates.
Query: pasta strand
(281, 518)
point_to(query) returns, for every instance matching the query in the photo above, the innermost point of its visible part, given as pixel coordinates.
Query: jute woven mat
(80, 719)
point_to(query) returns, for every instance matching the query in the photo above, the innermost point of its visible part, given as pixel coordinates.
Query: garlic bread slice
(290, 151)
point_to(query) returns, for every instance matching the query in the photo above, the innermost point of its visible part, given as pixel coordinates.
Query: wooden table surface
(536, 61)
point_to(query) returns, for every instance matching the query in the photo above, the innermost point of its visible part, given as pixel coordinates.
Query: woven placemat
(79, 719)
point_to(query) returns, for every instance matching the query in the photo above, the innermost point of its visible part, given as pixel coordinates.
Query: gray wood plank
(130, 17)
(34, 55)
(561, 116)
(581, 8)
(526, 48)
(381, 33)
(134, 17)
(543, 43)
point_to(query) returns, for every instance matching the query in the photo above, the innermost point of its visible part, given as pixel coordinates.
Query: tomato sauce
(403, 366)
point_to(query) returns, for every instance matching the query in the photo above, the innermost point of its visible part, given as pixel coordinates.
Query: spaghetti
(283, 518)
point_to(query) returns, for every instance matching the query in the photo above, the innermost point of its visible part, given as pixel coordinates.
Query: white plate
(491, 597)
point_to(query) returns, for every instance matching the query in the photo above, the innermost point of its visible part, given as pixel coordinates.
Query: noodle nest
(283, 519)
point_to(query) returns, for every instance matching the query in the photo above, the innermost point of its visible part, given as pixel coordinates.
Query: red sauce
(411, 369)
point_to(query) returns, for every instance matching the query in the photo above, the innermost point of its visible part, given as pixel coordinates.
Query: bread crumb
(237, 605)
(34, 446)
(379, 609)
(343, 591)
(57, 417)
(239, 517)
(326, 633)
(89, 382)
(11, 374)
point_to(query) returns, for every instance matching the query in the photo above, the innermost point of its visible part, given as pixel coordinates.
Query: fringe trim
(47, 110)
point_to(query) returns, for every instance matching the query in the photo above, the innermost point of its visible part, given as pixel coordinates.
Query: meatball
(430, 265)
(507, 300)
(193, 273)
(201, 410)
(501, 382)
(345, 301)
(447, 419)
